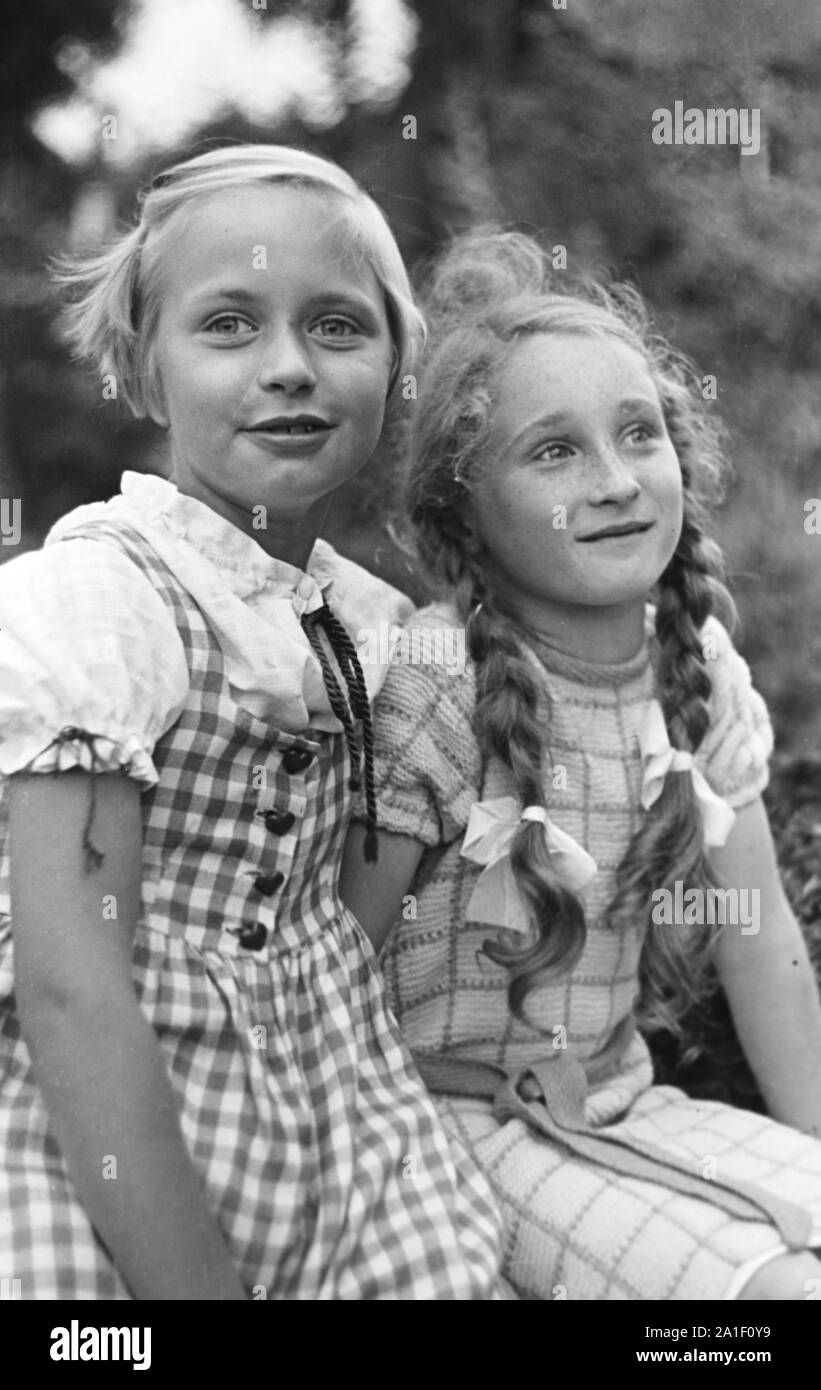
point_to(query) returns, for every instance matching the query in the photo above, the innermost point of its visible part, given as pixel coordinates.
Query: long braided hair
(487, 291)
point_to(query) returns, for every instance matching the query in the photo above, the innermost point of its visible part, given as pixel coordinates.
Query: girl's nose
(616, 481)
(286, 363)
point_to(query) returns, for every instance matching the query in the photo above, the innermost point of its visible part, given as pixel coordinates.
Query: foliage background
(532, 117)
(536, 117)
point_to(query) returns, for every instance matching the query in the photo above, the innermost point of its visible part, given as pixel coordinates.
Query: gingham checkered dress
(575, 1227)
(323, 1159)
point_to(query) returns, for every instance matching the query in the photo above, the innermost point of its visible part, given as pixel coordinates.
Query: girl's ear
(469, 533)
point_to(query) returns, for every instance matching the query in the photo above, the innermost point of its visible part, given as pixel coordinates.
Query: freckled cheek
(672, 505)
(671, 508)
(520, 529)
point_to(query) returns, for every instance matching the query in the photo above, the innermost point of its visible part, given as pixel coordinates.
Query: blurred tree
(542, 117)
(30, 40)
(51, 440)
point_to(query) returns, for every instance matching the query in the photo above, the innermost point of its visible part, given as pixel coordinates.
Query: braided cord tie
(349, 664)
(337, 700)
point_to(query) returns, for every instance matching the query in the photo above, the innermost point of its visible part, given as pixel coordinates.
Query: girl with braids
(189, 1008)
(598, 761)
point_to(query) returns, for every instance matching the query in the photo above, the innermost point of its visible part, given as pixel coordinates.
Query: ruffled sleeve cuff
(414, 816)
(74, 747)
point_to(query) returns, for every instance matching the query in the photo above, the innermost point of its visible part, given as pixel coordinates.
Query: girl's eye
(335, 326)
(228, 326)
(641, 432)
(554, 452)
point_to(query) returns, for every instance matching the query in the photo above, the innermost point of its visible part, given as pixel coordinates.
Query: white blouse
(87, 642)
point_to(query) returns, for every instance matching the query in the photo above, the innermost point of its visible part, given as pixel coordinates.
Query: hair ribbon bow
(659, 758)
(489, 835)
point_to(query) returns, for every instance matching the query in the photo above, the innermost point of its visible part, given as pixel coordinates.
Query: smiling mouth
(631, 528)
(298, 427)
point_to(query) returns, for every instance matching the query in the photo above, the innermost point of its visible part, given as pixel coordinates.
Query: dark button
(252, 937)
(279, 822)
(268, 883)
(296, 759)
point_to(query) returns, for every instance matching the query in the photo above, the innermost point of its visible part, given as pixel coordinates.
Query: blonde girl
(545, 814)
(202, 1092)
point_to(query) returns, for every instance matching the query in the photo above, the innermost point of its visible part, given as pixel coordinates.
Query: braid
(685, 603)
(669, 846)
(510, 723)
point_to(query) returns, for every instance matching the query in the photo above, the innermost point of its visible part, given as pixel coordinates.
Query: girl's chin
(613, 589)
(617, 589)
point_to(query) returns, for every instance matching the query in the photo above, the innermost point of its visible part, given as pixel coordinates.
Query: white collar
(241, 561)
(222, 567)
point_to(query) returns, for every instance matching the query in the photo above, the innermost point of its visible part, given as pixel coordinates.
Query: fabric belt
(549, 1097)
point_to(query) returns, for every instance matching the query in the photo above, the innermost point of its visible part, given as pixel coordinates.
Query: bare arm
(98, 1063)
(768, 978)
(374, 892)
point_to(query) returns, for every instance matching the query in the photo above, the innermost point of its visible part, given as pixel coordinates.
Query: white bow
(660, 758)
(488, 837)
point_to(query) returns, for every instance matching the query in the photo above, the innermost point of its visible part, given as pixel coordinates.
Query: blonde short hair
(113, 310)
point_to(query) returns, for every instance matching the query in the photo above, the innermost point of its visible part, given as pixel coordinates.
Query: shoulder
(428, 760)
(83, 575)
(739, 740)
(440, 615)
(729, 673)
(431, 671)
(71, 567)
(80, 597)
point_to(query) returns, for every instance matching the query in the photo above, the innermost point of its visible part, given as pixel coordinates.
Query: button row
(253, 935)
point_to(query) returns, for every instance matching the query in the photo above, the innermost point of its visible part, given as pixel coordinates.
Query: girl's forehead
(276, 205)
(573, 363)
(564, 347)
(265, 232)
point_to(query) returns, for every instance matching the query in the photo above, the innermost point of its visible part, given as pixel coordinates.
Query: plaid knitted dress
(586, 1216)
(322, 1157)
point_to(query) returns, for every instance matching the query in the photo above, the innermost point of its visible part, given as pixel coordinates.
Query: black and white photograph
(410, 664)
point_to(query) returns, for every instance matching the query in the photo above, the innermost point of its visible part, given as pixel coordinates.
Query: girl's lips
(294, 439)
(291, 424)
(615, 533)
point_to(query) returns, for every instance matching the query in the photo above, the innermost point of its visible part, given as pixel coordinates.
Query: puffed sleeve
(734, 754)
(428, 763)
(92, 667)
